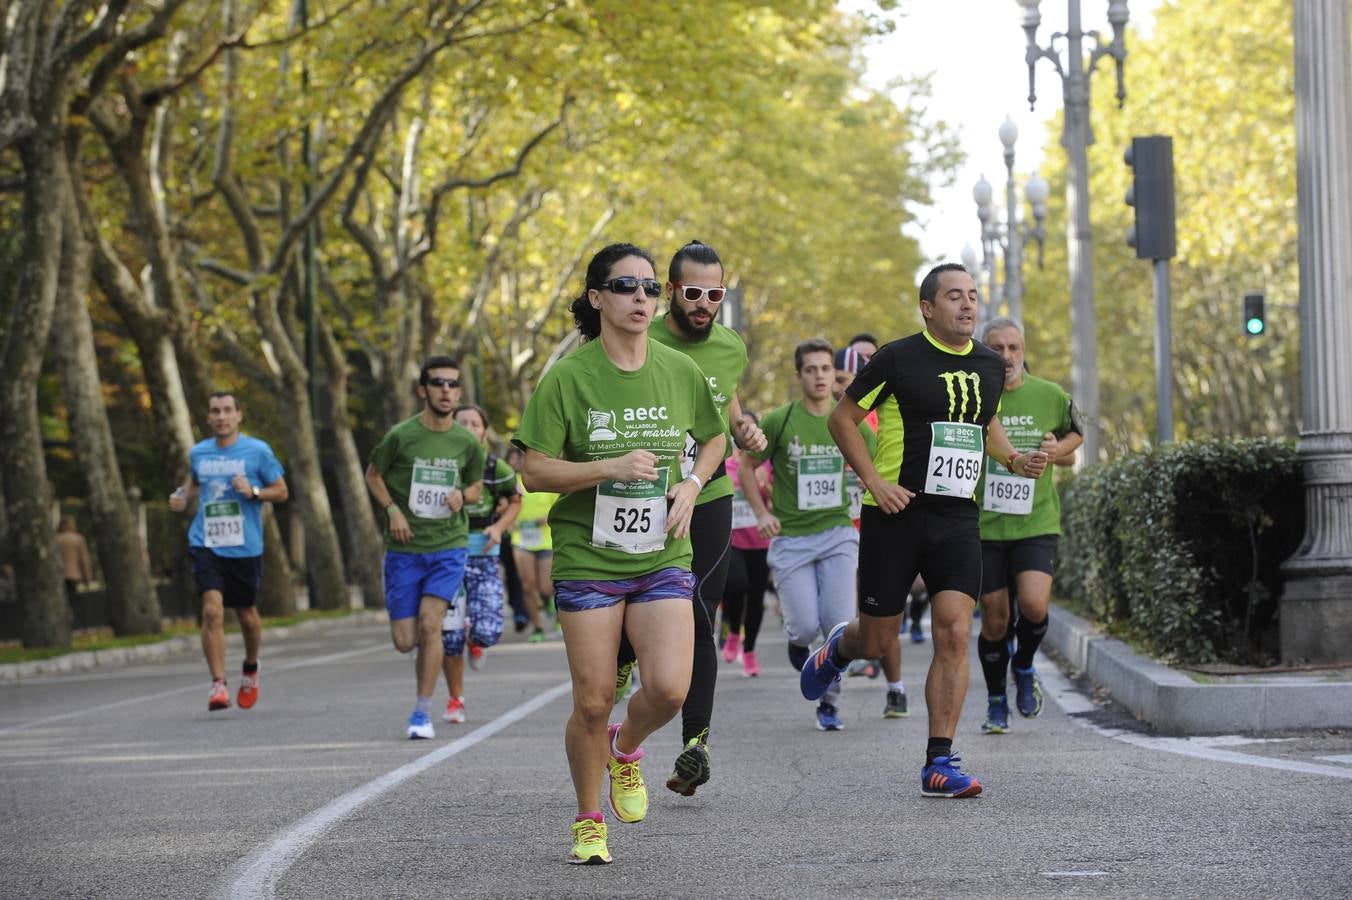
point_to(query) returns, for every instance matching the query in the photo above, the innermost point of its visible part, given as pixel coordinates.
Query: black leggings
(710, 534)
(744, 596)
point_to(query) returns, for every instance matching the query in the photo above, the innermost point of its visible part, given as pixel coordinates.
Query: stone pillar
(1316, 623)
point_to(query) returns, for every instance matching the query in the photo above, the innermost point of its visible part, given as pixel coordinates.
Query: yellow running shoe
(628, 794)
(623, 676)
(589, 844)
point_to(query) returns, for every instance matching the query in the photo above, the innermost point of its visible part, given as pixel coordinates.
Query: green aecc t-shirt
(808, 492)
(1014, 508)
(722, 358)
(420, 468)
(584, 409)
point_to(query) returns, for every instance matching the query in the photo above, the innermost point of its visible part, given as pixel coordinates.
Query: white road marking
(1085, 874)
(1056, 685)
(1341, 758)
(258, 874)
(103, 707)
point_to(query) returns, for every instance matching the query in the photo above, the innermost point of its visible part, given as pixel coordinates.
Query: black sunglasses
(627, 284)
(444, 382)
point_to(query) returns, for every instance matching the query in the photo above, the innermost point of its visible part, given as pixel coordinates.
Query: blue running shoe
(819, 673)
(997, 716)
(1027, 693)
(420, 726)
(943, 778)
(917, 633)
(828, 719)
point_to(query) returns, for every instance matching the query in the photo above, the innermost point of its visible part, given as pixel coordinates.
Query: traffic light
(1255, 320)
(1152, 196)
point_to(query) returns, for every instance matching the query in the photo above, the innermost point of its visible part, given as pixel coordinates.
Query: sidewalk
(1176, 703)
(187, 644)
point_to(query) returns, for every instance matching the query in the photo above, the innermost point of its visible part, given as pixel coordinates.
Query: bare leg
(663, 635)
(946, 685)
(591, 638)
(213, 633)
(431, 610)
(251, 626)
(453, 667)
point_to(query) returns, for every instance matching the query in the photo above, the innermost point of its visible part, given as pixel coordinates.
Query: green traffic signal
(1254, 326)
(1255, 316)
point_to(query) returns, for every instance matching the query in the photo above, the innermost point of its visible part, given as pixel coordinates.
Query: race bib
(428, 490)
(854, 492)
(532, 534)
(454, 620)
(820, 480)
(956, 451)
(631, 515)
(1008, 493)
(742, 515)
(688, 455)
(224, 524)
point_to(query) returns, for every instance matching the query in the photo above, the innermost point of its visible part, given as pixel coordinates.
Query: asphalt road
(120, 784)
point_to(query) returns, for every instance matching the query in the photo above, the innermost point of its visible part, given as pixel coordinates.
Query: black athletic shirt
(916, 381)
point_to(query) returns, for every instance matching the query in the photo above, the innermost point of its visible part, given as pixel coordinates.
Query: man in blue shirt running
(233, 475)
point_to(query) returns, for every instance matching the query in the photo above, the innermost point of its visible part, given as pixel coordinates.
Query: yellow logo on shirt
(959, 392)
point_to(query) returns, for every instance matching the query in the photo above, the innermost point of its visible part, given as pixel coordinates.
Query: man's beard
(438, 413)
(688, 328)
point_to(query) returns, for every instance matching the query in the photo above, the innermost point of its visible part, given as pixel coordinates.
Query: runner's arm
(998, 448)
(683, 495)
(399, 527)
(747, 463)
(745, 434)
(1061, 451)
(844, 424)
(184, 495)
(562, 476)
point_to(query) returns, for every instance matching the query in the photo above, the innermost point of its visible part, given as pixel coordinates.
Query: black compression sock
(838, 659)
(797, 656)
(1029, 636)
(994, 656)
(937, 747)
(250, 668)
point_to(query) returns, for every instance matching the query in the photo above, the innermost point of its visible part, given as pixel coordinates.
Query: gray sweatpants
(815, 580)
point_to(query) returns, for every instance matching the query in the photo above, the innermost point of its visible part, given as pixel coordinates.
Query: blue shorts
(664, 584)
(411, 576)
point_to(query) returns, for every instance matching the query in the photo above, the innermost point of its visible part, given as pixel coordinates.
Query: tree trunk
(365, 563)
(44, 617)
(278, 595)
(133, 606)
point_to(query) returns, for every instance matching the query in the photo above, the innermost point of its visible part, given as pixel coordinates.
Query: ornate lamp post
(973, 265)
(1011, 236)
(1076, 138)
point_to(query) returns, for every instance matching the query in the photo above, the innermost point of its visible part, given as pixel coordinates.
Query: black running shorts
(237, 577)
(940, 543)
(1001, 561)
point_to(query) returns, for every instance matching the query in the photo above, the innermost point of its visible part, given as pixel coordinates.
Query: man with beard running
(695, 293)
(422, 473)
(937, 394)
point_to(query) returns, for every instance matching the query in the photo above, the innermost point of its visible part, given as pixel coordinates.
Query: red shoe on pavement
(476, 656)
(219, 698)
(455, 711)
(248, 690)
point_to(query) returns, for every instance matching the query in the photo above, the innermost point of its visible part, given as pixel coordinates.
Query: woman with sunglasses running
(605, 429)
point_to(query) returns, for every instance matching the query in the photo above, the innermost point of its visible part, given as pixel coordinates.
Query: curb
(1174, 704)
(89, 660)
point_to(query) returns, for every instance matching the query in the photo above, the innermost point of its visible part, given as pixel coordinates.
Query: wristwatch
(256, 491)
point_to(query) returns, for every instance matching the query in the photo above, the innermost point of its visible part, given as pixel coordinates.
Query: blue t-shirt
(229, 523)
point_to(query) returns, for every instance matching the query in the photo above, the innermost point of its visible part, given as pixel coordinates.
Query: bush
(1179, 548)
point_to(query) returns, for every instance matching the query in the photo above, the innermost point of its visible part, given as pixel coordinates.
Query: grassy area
(103, 638)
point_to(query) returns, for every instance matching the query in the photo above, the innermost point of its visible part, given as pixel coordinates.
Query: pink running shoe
(750, 668)
(732, 647)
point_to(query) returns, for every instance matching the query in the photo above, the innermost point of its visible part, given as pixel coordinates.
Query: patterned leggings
(483, 597)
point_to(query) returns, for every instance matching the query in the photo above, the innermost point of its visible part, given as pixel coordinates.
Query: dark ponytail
(695, 251)
(588, 317)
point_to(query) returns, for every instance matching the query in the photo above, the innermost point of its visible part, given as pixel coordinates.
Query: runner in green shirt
(422, 473)
(695, 292)
(815, 548)
(605, 429)
(1020, 522)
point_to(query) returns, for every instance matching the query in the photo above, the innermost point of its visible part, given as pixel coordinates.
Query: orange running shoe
(455, 711)
(219, 698)
(248, 690)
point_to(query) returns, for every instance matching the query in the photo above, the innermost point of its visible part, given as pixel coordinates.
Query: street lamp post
(971, 263)
(1076, 137)
(1012, 235)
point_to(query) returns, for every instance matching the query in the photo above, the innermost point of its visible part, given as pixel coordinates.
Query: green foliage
(1230, 111)
(1179, 548)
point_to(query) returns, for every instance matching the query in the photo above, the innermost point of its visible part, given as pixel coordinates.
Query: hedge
(1179, 548)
